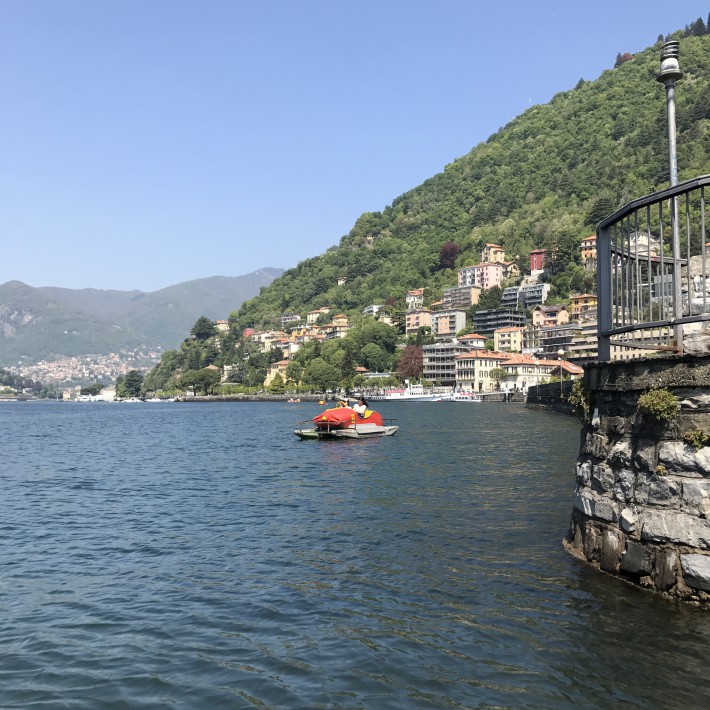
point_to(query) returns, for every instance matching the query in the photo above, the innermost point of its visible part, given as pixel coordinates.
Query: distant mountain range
(37, 323)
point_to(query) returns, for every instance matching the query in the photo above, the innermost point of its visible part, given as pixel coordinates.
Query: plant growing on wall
(581, 400)
(696, 438)
(661, 405)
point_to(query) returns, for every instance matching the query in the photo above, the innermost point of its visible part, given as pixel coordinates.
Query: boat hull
(357, 431)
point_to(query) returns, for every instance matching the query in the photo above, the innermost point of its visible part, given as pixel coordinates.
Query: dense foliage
(542, 181)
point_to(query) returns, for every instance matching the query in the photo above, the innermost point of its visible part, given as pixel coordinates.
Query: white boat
(413, 393)
(465, 397)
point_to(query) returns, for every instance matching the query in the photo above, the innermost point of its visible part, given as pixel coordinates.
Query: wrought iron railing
(653, 265)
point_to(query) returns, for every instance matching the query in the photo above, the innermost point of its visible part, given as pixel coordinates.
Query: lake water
(201, 556)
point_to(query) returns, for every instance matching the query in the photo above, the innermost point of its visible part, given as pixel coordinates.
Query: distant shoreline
(257, 398)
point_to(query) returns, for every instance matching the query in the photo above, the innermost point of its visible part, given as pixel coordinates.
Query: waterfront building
(439, 361)
(473, 370)
(488, 321)
(524, 371)
(278, 368)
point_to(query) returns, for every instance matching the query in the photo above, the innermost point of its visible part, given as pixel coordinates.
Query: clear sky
(149, 142)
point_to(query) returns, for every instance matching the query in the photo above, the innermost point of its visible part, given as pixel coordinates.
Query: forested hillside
(544, 180)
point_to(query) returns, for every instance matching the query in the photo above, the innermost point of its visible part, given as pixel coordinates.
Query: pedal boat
(345, 423)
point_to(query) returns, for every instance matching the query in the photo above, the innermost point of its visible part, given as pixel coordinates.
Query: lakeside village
(523, 343)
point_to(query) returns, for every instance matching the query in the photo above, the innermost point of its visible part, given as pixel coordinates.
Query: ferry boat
(413, 393)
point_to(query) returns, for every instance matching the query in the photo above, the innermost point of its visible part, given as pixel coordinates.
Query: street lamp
(560, 353)
(668, 75)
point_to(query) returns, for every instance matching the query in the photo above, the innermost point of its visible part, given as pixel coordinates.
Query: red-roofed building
(473, 370)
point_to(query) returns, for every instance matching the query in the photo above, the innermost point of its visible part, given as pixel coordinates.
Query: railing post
(604, 294)
(670, 73)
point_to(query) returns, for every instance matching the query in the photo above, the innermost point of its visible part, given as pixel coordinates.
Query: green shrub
(580, 399)
(696, 437)
(660, 405)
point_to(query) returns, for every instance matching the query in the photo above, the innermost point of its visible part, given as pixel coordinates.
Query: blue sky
(149, 142)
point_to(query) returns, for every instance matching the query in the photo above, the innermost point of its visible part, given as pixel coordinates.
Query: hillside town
(522, 343)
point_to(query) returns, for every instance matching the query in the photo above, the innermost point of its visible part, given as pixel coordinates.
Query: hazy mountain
(39, 322)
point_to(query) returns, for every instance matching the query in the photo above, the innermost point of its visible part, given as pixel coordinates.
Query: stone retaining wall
(642, 499)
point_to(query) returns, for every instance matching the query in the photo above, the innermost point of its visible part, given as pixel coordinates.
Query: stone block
(682, 459)
(695, 497)
(592, 542)
(610, 552)
(625, 486)
(602, 478)
(696, 571)
(628, 520)
(595, 445)
(584, 473)
(619, 455)
(584, 502)
(644, 457)
(636, 559)
(654, 489)
(663, 573)
(599, 507)
(616, 426)
(676, 527)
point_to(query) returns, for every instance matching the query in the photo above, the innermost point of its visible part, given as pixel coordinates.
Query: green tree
(374, 358)
(277, 385)
(321, 376)
(498, 374)
(203, 329)
(129, 385)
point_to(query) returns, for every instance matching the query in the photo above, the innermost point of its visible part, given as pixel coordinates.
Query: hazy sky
(148, 142)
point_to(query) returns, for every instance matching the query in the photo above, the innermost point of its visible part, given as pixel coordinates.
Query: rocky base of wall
(642, 500)
(675, 571)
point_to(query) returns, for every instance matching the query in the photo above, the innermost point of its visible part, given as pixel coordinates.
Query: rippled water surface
(201, 556)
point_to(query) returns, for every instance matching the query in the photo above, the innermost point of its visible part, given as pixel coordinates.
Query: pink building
(486, 275)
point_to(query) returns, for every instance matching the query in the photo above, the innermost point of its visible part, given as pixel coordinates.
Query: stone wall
(642, 499)
(553, 396)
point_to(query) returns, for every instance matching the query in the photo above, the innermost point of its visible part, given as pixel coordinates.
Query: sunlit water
(201, 556)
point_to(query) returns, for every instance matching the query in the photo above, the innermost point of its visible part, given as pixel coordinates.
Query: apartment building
(509, 340)
(488, 321)
(413, 320)
(461, 296)
(439, 361)
(445, 324)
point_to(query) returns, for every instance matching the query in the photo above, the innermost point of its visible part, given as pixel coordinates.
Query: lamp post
(560, 353)
(668, 75)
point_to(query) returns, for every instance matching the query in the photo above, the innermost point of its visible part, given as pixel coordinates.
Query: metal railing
(652, 269)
